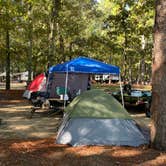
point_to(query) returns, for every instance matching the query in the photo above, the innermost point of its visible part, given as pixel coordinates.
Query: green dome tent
(96, 104)
(96, 118)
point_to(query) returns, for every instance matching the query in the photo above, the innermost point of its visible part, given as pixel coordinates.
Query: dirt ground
(28, 141)
(16, 121)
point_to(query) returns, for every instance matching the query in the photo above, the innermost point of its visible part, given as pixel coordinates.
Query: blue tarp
(85, 65)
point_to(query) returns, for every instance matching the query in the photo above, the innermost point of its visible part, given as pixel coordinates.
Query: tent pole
(47, 84)
(66, 84)
(121, 90)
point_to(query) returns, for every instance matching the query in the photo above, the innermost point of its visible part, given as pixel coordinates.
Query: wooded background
(35, 33)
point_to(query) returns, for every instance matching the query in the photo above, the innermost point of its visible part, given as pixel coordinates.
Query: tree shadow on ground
(16, 122)
(46, 152)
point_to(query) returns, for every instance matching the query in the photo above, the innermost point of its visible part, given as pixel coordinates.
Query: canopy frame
(86, 65)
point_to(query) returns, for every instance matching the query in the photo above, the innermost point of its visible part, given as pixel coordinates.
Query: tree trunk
(124, 65)
(158, 108)
(70, 50)
(30, 46)
(130, 70)
(125, 57)
(7, 60)
(62, 57)
(142, 69)
(142, 64)
(53, 25)
(51, 42)
(62, 48)
(30, 56)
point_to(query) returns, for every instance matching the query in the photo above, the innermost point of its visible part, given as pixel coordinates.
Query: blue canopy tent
(85, 65)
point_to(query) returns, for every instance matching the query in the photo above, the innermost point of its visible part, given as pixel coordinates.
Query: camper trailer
(106, 78)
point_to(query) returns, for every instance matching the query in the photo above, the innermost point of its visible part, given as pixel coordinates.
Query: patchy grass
(116, 87)
(107, 87)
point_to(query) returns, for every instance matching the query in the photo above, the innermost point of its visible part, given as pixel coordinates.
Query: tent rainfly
(96, 118)
(38, 84)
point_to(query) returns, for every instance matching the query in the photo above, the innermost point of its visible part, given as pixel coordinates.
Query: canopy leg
(121, 90)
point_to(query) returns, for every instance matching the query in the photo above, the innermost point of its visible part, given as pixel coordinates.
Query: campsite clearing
(17, 124)
(27, 141)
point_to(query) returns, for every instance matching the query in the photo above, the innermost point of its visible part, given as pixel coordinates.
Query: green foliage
(125, 23)
(108, 30)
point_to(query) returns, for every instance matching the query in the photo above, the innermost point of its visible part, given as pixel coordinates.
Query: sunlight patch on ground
(159, 161)
(86, 150)
(28, 144)
(14, 85)
(41, 134)
(127, 153)
(54, 155)
(19, 127)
